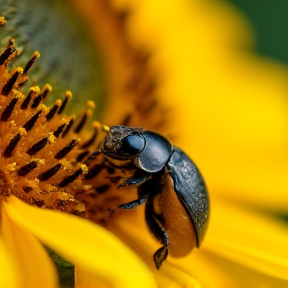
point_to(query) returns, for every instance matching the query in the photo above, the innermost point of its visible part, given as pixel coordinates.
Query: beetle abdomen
(177, 203)
(174, 218)
(191, 190)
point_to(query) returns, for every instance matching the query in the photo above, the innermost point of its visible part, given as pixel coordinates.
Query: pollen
(43, 152)
(2, 21)
(47, 158)
(84, 169)
(91, 104)
(22, 131)
(51, 138)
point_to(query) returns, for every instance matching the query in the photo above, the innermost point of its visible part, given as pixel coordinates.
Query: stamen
(92, 157)
(9, 109)
(31, 119)
(36, 101)
(81, 156)
(7, 52)
(88, 113)
(49, 173)
(92, 139)
(35, 56)
(81, 123)
(30, 123)
(59, 130)
(70, 178)
(9, 85)
(67, 98)
(53, 110)
(11, 146)
(68, 127)
(5, 55)
(27, 100)
(94, 171)
(27, 168)
(37, 147)
(2, 21)
(63, 152)
(47, 88)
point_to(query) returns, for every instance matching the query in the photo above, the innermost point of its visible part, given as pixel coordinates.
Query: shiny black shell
(191, 190)
(156, 155)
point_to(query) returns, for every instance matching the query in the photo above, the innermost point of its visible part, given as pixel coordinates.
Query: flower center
(47, 159)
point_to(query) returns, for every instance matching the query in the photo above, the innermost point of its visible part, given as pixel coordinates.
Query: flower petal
(216, 271)
(241, 276)
(83, 243)
(32, 264)
(248, 238)
(8, 274)
(88, 279)
(176, 274)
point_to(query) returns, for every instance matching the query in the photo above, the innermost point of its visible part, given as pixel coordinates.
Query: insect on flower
(177, 203)
(45, 163)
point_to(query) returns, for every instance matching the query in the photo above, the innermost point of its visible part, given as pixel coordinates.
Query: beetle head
(122, 142)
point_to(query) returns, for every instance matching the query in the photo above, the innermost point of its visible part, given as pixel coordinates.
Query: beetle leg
(131, 205)
(137, 181)
(157, 229)
(143, 193)
(160, 255)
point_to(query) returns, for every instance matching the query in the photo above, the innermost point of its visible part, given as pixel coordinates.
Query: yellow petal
(205, 269)
(248, 238)
(83, 243)
(33, 267)
(239, 276)
(8, 274)
(214, 271)
(88, 279)
(175, 274)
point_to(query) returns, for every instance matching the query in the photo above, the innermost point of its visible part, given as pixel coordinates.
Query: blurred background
(268, 21)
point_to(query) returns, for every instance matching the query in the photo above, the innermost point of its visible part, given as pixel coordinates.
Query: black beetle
(177, 203)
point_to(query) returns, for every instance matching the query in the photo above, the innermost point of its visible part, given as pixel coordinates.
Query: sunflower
(224, 107)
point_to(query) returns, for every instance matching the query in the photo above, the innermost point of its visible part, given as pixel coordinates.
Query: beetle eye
(133, 144)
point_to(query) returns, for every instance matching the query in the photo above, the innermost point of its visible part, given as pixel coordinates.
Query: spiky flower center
(47, 159)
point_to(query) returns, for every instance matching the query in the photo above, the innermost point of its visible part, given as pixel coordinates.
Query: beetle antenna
(106, 128)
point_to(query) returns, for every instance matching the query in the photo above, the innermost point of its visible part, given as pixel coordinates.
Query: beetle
(177, 202)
